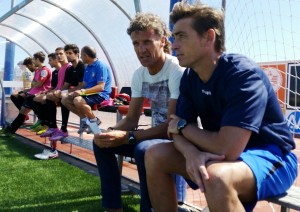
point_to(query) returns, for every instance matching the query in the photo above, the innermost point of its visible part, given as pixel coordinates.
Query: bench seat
(289, 200)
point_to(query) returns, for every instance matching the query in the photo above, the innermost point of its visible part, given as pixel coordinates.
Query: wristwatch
(131, 138)
(180, 125)
(82, 91)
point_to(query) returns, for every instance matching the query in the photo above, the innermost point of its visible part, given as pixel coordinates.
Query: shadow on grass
(77, 201)
(11, 148)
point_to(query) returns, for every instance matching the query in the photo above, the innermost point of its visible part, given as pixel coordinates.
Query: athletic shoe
(37, 123)
(94, 126)
(6, 133)
(59, 134)
(37, 128)
(88, 130)
(49, 132)
(47, 154)
(82, 126)
(43, 130)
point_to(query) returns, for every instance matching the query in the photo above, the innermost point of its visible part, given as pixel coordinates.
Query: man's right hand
(196, 165)
(111, 139)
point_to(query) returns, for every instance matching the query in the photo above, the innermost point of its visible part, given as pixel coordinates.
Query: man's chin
(145, 63)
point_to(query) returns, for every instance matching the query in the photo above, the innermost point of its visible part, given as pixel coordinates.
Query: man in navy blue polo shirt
(243, 152)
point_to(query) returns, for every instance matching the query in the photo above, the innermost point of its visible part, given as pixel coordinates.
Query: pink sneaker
(59, 134)
(49, 132)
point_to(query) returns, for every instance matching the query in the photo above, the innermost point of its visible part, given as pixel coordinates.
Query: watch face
(131, 139)
(181, 124)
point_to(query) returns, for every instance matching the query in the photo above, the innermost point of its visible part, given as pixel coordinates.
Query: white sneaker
(94, 126)
(47, 154)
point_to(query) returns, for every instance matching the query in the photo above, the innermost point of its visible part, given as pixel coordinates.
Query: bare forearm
(150, 133)
(228, 141)
(95, 89)
(126, 124)
(153, 132)
(182, 144)
(204, 140)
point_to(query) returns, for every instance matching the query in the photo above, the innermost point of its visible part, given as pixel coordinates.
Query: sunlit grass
(28, 184)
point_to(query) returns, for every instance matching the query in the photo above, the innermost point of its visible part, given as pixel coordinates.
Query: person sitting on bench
(41, 82)
(156, 80)
(243, 153)
(96, 88)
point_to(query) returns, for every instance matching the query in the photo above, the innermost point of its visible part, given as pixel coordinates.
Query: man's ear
(163, 41)
(210, 35)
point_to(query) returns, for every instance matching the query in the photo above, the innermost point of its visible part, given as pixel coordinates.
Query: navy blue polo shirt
(238, 94)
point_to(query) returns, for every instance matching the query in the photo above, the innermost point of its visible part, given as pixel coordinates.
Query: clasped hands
(195, 159)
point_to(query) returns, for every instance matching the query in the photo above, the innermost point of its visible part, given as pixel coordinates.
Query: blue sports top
(98, 72)
(237, 94)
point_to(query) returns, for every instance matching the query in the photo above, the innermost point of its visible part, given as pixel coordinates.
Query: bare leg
(68, 102)
(53, 97)
(228, 185)
(24, 110)
(83, 107)
(41, 98)
(161, 160)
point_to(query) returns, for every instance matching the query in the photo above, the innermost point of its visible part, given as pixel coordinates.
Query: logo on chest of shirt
(208, 93)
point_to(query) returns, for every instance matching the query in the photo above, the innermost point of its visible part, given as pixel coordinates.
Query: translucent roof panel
(26, 43)
(47, 24)
(109, 25)
(34, 30)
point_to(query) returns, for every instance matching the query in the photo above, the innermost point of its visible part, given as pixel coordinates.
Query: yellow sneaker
(44, 129)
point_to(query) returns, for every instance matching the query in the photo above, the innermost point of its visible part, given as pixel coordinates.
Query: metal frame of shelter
(43, 25)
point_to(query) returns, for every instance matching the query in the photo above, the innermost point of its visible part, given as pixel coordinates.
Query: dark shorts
(94, 99)
(29, 102)
(274, 171)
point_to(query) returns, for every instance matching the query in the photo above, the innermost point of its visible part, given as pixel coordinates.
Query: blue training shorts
(274, 171)
(93, 99)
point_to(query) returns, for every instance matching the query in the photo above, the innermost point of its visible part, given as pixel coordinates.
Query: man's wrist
(131, 138)
(82, 91)
(181, 124)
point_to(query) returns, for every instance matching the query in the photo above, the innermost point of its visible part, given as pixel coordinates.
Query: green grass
(28, 184)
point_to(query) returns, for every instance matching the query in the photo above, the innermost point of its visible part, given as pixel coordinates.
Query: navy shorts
(274, 171)
(93, 99)
(29, 102)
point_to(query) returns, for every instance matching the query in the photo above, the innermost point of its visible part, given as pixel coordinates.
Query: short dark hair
(40, 55)
(27, 61)
(146, 21)
(90, 51)
(204, 18)
(52, 56)
(73, 47)
(59, 48)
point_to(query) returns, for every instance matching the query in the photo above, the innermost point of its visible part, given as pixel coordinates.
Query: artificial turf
(28, 184)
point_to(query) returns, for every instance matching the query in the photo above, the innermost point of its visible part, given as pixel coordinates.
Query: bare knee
(152, 156)
(66, 101)
(218, 182)
(157, 156)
